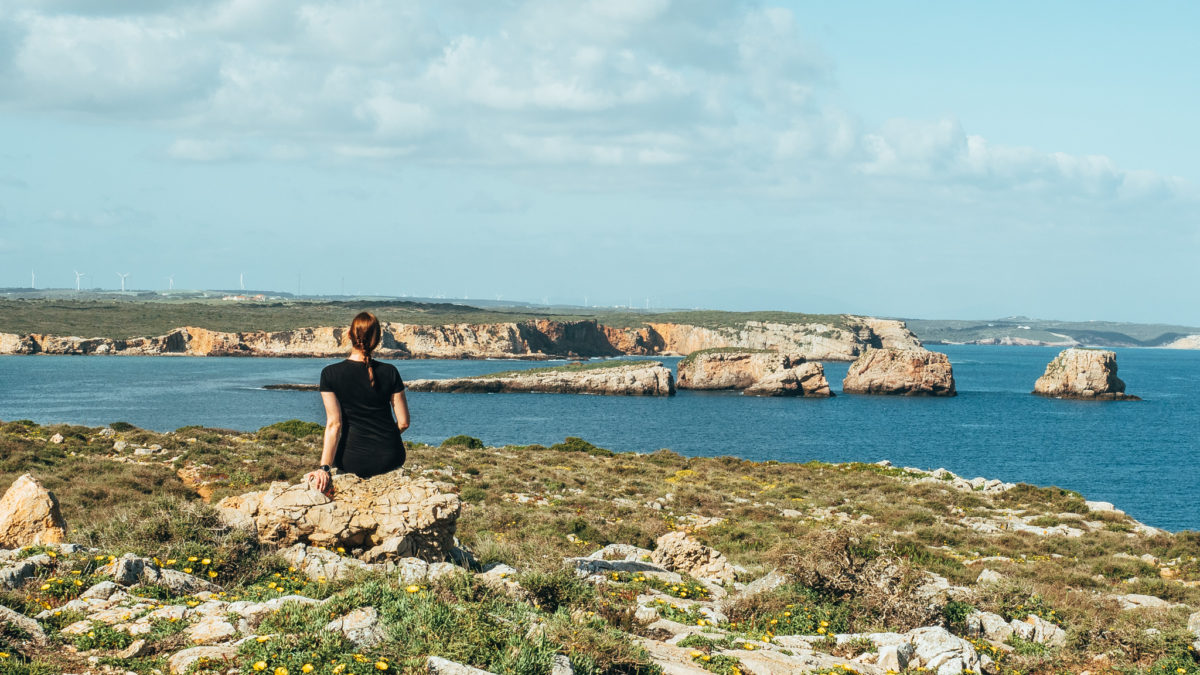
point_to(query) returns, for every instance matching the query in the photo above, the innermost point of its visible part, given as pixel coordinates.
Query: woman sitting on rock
(360, 395)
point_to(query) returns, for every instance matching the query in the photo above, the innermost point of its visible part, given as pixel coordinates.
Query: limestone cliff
(639, 378)
(539, 338)
(757, 373)
(900, 372)
(1084, 374)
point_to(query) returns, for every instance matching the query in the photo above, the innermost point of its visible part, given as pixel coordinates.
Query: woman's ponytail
(365, 335)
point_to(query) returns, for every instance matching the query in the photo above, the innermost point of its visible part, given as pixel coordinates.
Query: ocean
(1142, 456)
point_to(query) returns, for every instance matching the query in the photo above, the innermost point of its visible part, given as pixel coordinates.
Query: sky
(925, 160)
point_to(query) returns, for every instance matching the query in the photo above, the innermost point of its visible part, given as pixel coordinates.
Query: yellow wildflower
(260, 665)
(306, 668)
(281, 671)
(381, 665)
(413, 589)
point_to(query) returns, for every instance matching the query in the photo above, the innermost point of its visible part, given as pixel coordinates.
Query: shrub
(955, 614)
(122, 426)
(560, 588)
(861, 570)
(296, 428)
(576, 444)
(463, 441)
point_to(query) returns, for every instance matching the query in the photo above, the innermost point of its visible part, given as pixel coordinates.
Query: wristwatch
(326, 468)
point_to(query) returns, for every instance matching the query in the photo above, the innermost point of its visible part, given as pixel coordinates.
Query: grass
(145, 316)
(690, 358)
(858, 527)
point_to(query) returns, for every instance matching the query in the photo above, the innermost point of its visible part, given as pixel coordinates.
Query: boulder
(988, 626)
(757, 372)
(23, 623)
(1089, 374)
(388, 517)
(900, 372)
(182, 662)
(436, 665)
(131, 570)
(806, 380)
(938, 650)
(12, 576)
(320, 564)
(678, 552)
(29, 515)
(361, 626)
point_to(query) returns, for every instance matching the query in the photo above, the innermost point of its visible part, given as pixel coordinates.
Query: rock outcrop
(757, 373)
(900, 372)
(386, 517)
(835, 339)
(29, 515)
(637, 378)
(1089, 374)
(678, 552)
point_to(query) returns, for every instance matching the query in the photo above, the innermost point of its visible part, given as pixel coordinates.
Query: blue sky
(937, 159)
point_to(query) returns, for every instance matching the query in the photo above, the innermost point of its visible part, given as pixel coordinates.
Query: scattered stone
(624, 552)
(321, 565)
(895, 657)
(678, 552)
(182, 662)
(133, 651)
(142, 452)
(502, 578)
(29, 515)
(393, 515)
(131, 570)
(1137, 601)
(108, 432)
(942, 652)
(436, 665)
(120, 446)
(900, 372)
(360, 626)
(56, 439)
(25, 624)
(988, 576)
(561, 665)
(12, 576)
(988, 626)
(101, 591)
(1036, 629)
(1089, 374)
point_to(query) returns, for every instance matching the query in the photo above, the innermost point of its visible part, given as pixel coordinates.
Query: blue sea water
(1142, 456)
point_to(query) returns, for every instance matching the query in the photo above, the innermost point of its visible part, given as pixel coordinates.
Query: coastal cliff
(841, 340)
(757, 373)
(639, 378)
(1088, 374)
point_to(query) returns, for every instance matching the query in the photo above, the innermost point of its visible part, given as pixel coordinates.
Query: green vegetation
(577, 367)
(687, 360)
(294, 428)
(138, 317)
(463, 441)
(856, 543)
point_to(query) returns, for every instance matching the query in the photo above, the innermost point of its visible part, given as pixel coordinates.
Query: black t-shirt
(370, 443)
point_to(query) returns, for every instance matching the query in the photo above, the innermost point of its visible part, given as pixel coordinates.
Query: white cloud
(733, 92)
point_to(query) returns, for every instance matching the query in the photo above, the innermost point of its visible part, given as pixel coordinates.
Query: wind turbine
(78, 275)
(33, 279)
(171, 283)
(123, 277)
(242, 280)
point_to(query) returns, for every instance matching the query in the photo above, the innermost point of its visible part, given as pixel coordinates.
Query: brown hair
(364, 335)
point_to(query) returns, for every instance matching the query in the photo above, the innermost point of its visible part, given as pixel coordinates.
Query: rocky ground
(183, 557)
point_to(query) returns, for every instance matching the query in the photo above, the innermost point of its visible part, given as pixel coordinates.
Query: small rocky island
(755, 372)
(611, 378)
(900, 372)
(1087, 374)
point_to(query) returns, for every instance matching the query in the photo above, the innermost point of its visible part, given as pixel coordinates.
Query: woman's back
(370, 442)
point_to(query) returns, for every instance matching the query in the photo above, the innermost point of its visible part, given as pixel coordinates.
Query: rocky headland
(1087, 374)
(755, 372)
(836, 340)
(900, 372)
(568, 559)
(610, 378)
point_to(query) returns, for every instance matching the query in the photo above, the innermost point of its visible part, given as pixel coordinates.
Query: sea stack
(1087, 374)
(755, 372)
(900, 372)
(622, 378)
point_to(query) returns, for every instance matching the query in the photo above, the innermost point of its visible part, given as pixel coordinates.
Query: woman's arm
(400, 407)
(333, 429)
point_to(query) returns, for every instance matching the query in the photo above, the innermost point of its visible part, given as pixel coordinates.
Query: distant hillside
(1024, 331)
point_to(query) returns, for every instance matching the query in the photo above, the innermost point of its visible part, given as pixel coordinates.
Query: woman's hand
(321, 481)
